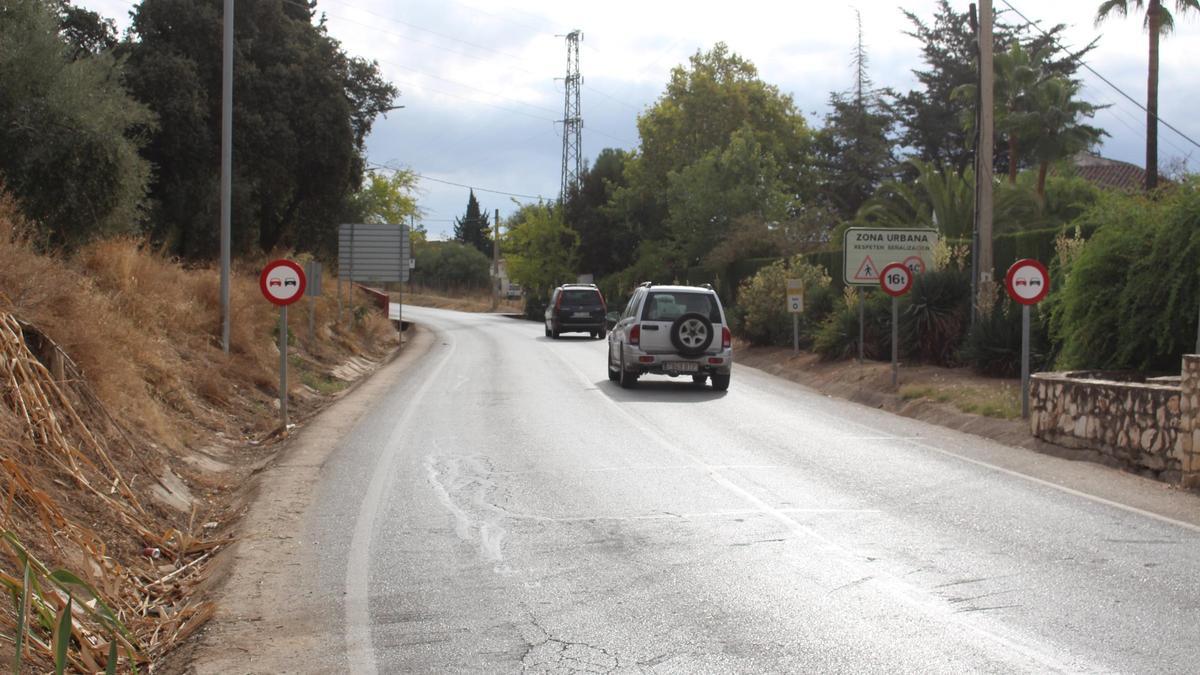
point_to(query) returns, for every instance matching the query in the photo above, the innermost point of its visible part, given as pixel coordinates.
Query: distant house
(1111, 174)
(507, 288)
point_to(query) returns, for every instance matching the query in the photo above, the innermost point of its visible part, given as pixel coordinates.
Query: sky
(481, 80)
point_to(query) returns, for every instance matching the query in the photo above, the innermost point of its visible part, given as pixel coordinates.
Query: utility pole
(226, 167)
(572, 121)
(983, 152)
(496, 264)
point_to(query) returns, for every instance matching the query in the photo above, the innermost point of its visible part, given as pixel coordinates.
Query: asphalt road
(506, 508)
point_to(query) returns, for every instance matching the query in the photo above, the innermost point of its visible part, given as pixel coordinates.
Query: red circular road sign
(282, 282)
(1027, 281)
(896, 279)
(914, 263)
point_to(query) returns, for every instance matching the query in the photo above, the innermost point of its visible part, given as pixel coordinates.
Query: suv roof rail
(708, 286)
(646, 284)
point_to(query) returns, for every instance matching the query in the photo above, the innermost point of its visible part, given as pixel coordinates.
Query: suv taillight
(603, 304)
(635, 335)
(558, 302)
(726, 338)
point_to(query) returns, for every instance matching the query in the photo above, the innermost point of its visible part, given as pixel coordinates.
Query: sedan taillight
(635, 335)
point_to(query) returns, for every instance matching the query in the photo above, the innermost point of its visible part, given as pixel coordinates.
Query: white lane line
(1010, 641)
(360, 652)
(1061, 488)
(922, 442)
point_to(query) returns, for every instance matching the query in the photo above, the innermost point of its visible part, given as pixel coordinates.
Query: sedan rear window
(668, 306)
(581, 297)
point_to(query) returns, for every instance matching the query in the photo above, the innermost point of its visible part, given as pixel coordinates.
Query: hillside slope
(126, 434)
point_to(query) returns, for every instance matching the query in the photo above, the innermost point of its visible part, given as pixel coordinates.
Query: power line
(1103, 79)
(462, 185)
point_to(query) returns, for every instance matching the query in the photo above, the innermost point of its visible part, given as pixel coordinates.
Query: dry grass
(463, 301)
(1000, 401)
(151, 385)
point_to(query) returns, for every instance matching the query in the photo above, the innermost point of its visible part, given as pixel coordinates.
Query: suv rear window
(670, 305)
(581, 297)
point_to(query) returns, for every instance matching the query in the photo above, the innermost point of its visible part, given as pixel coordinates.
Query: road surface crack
(548, 654)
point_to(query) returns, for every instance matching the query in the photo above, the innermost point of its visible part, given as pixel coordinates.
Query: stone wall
(1150, 428)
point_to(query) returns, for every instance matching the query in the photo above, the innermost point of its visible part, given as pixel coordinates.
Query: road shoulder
(254, 584)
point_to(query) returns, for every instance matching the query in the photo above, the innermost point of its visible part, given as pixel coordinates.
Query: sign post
(282, 282)
(795, 303)
(896, 279)
(312, 277)
(1027, 283)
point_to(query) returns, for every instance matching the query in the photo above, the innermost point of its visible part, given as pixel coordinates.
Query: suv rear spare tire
(691, 334)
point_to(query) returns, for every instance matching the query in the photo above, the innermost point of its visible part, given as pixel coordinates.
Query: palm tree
(1159, 21)
(1058, 123)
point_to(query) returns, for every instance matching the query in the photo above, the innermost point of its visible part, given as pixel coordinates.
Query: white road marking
(904, 591)
(360, 652)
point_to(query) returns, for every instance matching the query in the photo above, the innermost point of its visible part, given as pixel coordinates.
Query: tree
(936, 198)
(931, 115)
(88, 33)
(606, 243)
(386, 199)
(706, 197)
(705, 102)
(1059, 131)
(450, 265)
(1159, 21)
(854, 150)
(70, 135)
(473, 228)
(540, 249)
(1038, 112)
(302, 109)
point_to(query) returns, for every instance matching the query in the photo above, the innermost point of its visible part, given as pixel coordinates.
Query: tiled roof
(1111, 174)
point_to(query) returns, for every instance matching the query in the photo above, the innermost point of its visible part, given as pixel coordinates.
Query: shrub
(936, 313)
(993, 346)
(1129, 299)
(763, 316)
(837, 337)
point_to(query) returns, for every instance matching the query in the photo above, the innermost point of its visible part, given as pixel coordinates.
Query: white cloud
(478, 77)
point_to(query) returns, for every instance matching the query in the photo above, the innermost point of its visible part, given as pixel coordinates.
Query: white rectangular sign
(795, 295)
(867, 250)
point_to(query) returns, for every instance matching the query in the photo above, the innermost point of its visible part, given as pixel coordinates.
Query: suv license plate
(581, 315)
(682, 366)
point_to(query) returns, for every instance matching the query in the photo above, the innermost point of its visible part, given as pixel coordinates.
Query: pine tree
(472, 229)
(855, 148)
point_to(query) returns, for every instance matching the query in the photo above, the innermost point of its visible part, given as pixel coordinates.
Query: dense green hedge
(1130, 298)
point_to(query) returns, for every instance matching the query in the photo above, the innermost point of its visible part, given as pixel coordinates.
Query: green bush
(837, 337)
(763, 317)
(993, 347)
(936, 314)
(449, 264)
(1130, 297)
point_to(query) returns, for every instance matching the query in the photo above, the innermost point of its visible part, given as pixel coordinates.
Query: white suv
(671, 330)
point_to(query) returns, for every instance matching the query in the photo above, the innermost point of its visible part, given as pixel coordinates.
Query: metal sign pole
(895, 341)
(283, 390)
(312, 325)
(795, 333)
(861, 314)
(1024, 361)
(350, 293)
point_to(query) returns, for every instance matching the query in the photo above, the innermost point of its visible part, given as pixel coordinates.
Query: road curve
(506, 508)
